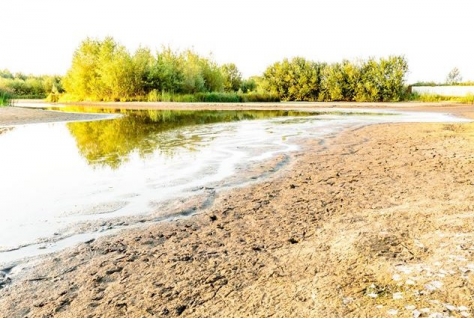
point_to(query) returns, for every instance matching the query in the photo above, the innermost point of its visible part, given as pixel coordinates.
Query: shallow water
(66, 183)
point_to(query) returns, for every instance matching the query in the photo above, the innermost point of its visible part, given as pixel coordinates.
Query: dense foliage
(19, 85)
(371, 80)
(105, 70)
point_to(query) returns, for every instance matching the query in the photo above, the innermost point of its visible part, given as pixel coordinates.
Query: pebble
(397, 295)
(392, 312)
(409, 282)
(450, 307)
(397, 277)
(433, 285)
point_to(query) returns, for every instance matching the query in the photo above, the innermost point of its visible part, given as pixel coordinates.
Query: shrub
(6, 97)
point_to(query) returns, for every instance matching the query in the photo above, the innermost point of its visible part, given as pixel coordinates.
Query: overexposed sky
(40, 36)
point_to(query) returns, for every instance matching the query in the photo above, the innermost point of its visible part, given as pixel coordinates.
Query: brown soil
(376, 221)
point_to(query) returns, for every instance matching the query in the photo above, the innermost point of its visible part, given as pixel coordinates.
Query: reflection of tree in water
(110, 142)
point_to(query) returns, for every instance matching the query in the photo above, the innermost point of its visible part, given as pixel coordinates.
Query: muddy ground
(376, 221)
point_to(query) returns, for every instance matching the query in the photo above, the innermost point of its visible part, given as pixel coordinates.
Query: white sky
(435, 36)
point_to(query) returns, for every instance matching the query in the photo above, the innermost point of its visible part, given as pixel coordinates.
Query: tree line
(104, 70)
(368, 80)
(29, 86)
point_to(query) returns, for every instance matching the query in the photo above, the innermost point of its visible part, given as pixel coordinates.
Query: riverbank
(12, 115)
(29, 111)
(372, 222)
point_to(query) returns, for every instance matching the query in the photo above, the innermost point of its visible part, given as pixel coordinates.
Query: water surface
(63, 183)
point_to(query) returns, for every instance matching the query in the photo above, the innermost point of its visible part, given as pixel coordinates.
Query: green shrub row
(212, 97)
(430, 97)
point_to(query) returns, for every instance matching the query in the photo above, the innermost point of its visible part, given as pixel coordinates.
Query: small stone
(397, 296)
(416, 313)
(463, 308)
(450, 307)
(425, 310)
(410, 307)
(409, 282)
(373, 295)
(465, 314)
(436, 315)
(397, 277)
(433, 285)
(392, 312)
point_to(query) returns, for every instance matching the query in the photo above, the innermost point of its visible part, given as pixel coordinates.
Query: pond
(64, 183)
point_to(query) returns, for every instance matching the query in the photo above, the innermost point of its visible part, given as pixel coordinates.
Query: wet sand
(376, 221)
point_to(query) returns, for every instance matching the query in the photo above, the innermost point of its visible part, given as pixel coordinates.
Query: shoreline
(13, 115)
(356, 214)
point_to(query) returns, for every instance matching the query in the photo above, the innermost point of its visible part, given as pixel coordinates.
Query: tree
(167, 74)
(103, 70)
(248, 85)
(232, 77)
(454, 77)
(212, 75)
(82, 79)
(296, 80)
(191, 66)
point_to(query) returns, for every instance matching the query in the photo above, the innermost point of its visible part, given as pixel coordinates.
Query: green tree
(6, 74)
(191, 66)
(167, 74)
(232, 77)
(116, 72)
(82, 79)
(248, 85)
(297, 79)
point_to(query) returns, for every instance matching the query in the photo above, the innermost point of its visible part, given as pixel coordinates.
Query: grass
(5, 98)
(426, 97)
(206, 97)
(212, 97)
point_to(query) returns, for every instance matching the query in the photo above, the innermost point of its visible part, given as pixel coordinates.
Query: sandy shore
(17, 116)
(376, 221)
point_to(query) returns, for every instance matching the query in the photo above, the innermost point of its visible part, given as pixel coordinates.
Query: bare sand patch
(374, 222)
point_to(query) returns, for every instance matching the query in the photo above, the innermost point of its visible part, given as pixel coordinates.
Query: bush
(212, 97)
(259, 97)
(5, 97)
(468, 99)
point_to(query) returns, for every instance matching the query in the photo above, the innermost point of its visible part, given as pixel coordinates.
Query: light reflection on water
(56, 175)
(59, 180)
